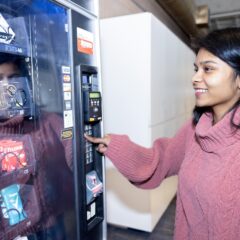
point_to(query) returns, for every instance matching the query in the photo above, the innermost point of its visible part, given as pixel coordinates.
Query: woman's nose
(4, 81)
(4, 78)
(197, 77)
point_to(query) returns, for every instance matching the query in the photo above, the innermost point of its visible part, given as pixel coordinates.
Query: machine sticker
(6, 33)
(68, 105)
(66, 78)
(67, 134)
(68, 118)
(67, 96)
(67, 87)
(84, 41)
(66, 70)
(66, 27)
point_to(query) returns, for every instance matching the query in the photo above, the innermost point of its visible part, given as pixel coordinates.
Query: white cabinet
(147, 94)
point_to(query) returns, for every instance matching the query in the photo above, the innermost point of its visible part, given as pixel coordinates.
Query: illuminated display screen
(94, 95)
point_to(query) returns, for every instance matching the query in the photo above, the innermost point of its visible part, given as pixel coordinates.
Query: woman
(204, 153)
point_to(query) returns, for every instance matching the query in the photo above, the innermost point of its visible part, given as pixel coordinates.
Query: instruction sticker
(66, 70)
(68, 119)
(67, 87)
(67, 96)
(68, 105)
(84, 41)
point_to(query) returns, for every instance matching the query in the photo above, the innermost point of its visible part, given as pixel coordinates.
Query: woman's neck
(219, 113)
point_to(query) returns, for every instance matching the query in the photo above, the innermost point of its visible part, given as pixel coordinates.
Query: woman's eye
(15, 75)
(208, 69)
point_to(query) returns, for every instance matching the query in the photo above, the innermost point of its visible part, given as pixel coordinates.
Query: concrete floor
(163, 230)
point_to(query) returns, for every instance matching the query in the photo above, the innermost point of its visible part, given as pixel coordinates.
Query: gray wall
(220, 6)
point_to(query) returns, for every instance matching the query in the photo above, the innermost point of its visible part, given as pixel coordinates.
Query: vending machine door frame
(86, 230)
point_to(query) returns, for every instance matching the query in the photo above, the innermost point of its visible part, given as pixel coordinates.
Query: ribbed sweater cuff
(114, 148)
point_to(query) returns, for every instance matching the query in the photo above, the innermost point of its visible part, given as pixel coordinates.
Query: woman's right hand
(102, 142)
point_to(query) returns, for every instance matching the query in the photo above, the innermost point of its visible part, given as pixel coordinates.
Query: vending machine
(51, 178)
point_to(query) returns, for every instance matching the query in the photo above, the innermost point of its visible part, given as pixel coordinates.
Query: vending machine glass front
(36, 122)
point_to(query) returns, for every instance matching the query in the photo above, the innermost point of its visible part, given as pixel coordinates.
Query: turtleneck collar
(213, 137)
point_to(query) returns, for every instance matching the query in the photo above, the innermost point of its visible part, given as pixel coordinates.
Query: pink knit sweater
(207, 161)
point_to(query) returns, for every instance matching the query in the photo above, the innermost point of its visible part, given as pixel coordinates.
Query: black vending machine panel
(90, 162)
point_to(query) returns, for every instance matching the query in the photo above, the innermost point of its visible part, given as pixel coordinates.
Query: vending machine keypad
(88, 145)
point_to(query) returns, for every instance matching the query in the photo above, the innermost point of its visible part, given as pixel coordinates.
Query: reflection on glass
(36, 170)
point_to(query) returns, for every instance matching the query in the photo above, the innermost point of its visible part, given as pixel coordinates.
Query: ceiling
(222, 13)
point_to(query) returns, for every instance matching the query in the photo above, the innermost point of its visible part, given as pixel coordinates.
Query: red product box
(12, 155)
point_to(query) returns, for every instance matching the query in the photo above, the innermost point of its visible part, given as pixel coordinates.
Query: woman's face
(215, 83)
(8, 71)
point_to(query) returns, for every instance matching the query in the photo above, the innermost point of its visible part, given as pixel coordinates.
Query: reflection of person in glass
(52, 181)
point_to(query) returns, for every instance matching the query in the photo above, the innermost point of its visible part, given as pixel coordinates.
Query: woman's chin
(201, 104)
